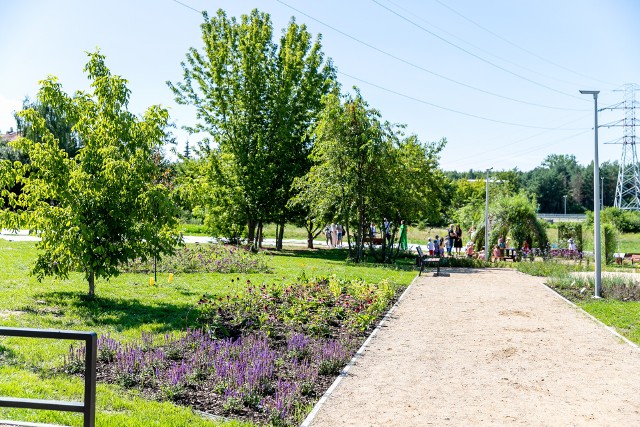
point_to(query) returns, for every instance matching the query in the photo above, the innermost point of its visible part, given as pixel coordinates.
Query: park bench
(374, 240)
(621, 257)
(508, 253)
(427, 261)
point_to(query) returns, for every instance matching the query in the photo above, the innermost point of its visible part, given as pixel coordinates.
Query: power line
(187, 6)
(422, 68)
(525, 139)
(422, 101)
(473, 54)
(520, 47)
(478, 47)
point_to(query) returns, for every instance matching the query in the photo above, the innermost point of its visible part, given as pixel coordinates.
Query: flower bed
(265, 355)
(208, 258)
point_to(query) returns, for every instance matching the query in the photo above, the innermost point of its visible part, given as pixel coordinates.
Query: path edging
(316, 408)
(611, 329)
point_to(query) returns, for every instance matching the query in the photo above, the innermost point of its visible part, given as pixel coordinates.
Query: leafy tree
(378, 172)
(57, 122)
(513, 216)
(107, 205)
(256, 100)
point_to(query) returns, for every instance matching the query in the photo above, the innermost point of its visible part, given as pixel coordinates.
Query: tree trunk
(251, 231)
(309, 239)
(259, 236)
(280, 236)
(92, 286)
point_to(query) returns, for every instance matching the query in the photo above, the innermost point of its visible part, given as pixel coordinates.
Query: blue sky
(498, 78)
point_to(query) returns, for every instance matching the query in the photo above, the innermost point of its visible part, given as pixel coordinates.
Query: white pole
(486, 219)
(596, 201)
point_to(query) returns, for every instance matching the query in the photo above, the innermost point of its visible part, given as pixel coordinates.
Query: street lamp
(596, 200)
(486, 219)
(565, 205)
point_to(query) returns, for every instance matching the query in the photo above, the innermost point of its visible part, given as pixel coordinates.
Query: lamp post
(565, 205)
(596, 200)
(486, 219)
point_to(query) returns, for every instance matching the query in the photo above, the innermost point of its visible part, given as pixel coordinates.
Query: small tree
(107, 205)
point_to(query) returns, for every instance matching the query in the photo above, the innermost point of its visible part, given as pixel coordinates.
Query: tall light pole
(596, 200)
(565, 205)
(486, 219)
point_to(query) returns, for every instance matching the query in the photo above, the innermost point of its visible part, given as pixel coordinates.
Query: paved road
(490, 347)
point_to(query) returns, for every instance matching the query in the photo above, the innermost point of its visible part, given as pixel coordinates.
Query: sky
(499, 79)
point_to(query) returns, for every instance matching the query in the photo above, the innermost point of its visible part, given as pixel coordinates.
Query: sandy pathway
(489, 347)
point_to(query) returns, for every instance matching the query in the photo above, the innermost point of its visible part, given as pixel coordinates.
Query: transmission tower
(628, 186)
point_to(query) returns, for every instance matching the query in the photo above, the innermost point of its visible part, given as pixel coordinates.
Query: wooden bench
(630, 256)
(374, 241)
(425, 261)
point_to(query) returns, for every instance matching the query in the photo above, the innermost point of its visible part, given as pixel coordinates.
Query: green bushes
(625, 221)
(570, 230)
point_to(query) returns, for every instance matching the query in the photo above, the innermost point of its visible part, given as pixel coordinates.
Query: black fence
(88, 406)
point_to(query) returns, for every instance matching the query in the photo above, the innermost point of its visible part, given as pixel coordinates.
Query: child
(470, 250)
(431, 247)
(441, 246)
(447, 243)
(496, 253)
(436, 246)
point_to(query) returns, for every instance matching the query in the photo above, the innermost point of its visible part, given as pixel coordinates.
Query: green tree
(364, 170)
(110, 203)
(514, 216)
(56, 120)
(256, 100)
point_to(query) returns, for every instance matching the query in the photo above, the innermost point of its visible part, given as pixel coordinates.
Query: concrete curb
(307, 421)
(608, 328)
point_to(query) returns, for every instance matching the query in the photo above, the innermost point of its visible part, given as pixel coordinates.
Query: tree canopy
(255, 99)
(107, 205)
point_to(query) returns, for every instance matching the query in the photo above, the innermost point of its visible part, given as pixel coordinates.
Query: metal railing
(88, 407)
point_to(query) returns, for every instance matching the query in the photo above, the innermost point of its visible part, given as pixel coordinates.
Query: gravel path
(488, 347)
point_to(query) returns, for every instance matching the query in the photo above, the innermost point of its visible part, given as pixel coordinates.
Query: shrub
(214, 258)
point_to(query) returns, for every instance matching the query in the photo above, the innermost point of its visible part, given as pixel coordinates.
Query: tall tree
(364, 170)
(110, 203)
(256, 100)
(56, 121)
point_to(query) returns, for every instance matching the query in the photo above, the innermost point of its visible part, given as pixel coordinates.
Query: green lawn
(125, 307)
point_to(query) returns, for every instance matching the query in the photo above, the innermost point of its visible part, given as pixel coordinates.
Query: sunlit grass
(126, 306)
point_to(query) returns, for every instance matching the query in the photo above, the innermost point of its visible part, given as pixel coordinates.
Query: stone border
(309, 419)
(611, 329)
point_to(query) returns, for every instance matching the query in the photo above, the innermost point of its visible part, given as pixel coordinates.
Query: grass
(619, 307)
(125, 306)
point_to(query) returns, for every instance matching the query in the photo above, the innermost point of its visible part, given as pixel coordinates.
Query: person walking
(451, 238)
(334, 235)
(458, 242)
(403, 236)
(327, 234)
(386, 230)
(339, 226)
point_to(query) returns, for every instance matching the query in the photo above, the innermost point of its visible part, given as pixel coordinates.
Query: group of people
(449, 244)
(333, 234)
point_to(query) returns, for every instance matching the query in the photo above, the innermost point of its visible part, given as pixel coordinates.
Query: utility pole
(627, 195)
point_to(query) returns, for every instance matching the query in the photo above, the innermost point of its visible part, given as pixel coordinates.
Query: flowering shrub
(269, 352)
(315, 307)
(207, 258)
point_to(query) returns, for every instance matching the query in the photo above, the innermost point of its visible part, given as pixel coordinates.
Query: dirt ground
(488, 347)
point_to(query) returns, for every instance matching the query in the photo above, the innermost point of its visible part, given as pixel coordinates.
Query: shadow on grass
(121, 313)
